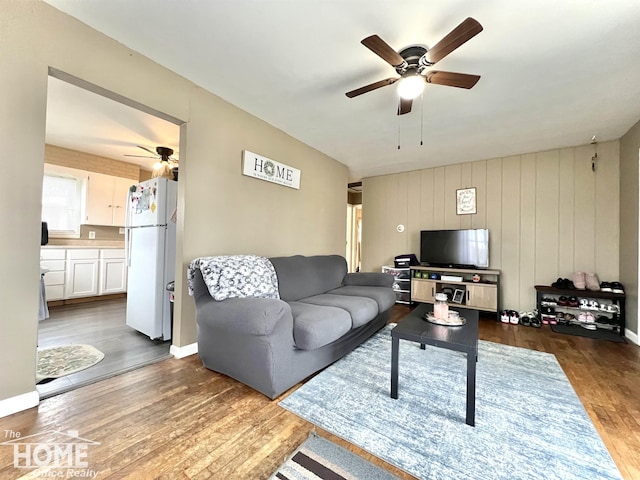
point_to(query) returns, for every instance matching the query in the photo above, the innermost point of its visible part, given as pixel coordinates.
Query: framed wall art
(466, 201)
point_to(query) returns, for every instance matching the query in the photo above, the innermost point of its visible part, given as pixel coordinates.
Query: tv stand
(481, 295)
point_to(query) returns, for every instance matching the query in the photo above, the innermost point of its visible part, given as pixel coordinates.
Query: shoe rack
(588, 301)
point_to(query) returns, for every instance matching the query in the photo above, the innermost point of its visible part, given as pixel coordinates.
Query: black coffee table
(462, 339)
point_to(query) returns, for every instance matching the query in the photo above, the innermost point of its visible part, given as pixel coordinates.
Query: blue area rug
(530, 424)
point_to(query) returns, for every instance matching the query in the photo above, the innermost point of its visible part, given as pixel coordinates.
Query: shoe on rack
(544, 310)
(514, 318)
(605, 287)
(613, 308)
(548, 302)
(616, 287)
(579, 280)
(563, 301)
(573, 302)
(592, 282)
(584, 303)
(547, 318)
(590, 321)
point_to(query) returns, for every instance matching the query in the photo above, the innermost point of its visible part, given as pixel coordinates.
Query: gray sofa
(271, 344)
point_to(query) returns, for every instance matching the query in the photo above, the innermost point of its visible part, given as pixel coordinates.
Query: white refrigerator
(150, 242)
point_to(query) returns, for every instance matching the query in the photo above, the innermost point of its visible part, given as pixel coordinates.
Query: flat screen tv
(455, 248)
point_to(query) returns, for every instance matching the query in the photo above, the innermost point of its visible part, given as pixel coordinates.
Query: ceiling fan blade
(459, 35)
(451, 79)
(383, 50)
(372, 86)
(404, 106)
(139, 156)
(150, 151)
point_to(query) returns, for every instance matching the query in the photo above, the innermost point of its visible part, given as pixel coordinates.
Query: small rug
(583, 332)
(530, 423)
(318, 458)
(56, 362)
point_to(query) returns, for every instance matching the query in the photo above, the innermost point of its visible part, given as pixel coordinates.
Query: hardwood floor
(175, 419)
(101, 324)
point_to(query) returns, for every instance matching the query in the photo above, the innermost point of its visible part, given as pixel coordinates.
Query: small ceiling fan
(412, 64)
(163, 154)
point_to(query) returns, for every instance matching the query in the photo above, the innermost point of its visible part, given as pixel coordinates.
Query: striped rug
(318, 458)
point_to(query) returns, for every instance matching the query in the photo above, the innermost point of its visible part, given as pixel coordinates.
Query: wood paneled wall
(89, 162)
(548, 215)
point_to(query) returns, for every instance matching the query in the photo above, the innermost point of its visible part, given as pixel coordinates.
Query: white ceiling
(554, 73)
(81, 120)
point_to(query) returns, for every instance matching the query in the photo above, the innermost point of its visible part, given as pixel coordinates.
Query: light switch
(92, 235)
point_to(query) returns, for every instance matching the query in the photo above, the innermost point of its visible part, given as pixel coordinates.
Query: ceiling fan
(163, 154)
(412, 64)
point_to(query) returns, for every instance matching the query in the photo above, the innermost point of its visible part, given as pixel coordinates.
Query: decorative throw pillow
(236, 276)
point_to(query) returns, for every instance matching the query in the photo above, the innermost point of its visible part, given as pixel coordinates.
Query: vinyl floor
(101, 324)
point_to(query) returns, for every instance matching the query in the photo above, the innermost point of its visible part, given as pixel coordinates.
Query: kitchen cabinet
(82, 273)
(113, 272)
(54, 260)
(106, 199)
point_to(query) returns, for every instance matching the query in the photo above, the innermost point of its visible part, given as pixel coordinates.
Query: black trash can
(170, 289)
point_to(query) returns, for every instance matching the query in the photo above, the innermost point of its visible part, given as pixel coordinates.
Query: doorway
(105, 135)
(354, 226)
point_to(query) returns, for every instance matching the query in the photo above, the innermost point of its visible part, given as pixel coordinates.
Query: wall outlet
(92, 235)
(121, 230)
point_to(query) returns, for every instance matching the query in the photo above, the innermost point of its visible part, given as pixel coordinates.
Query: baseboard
(631, 336)
(16, 404)
(181, 352)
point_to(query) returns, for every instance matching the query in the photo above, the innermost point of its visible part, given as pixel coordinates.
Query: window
(62, 203)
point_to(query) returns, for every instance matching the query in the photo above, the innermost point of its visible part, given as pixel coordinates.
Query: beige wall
(629, 159)
(220, 211)
(547, 213)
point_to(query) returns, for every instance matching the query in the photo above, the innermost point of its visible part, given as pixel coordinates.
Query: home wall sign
(263, 168)
(466, 201)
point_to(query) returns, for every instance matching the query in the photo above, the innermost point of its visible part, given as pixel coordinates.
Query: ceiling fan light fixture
(157, 165)
(411, 87)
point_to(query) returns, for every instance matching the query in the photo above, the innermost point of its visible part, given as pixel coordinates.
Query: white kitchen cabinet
(54, 261)
(106, 199)
(82, 273)
(113, 271)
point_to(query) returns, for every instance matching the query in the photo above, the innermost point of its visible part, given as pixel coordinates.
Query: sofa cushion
(384, 296)
(315, 326)
(361, 309)
(300, 277)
